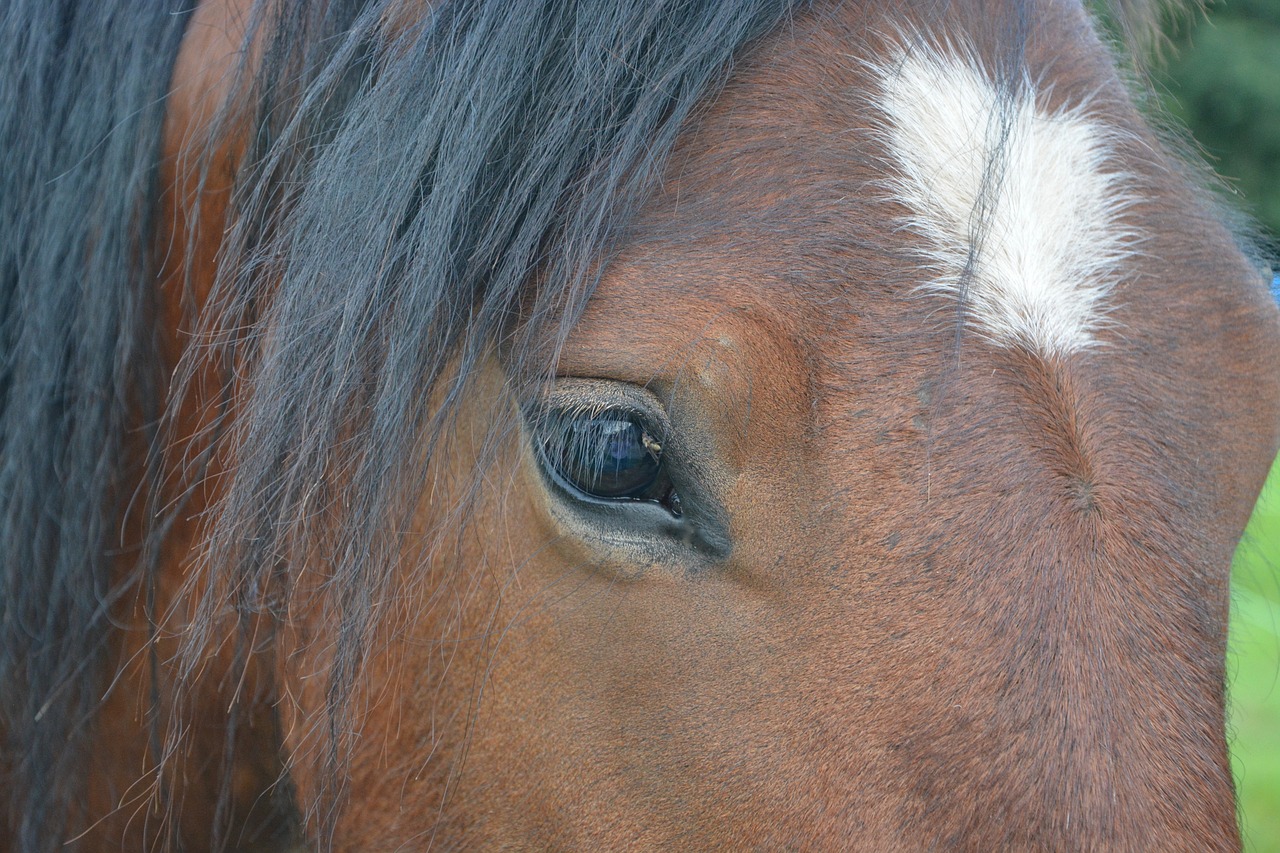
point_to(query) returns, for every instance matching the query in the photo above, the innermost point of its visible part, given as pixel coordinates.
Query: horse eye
(611, 455)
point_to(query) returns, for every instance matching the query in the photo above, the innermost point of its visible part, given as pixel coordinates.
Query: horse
(592, 425)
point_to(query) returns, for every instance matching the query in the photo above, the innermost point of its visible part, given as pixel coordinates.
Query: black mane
(83, 103)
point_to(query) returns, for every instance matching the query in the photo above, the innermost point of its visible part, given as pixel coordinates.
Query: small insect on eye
(610, 455)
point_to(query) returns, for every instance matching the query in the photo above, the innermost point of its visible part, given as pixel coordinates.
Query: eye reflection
(611, 455)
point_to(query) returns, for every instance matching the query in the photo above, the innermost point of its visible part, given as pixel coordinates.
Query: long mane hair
(80, 123)
(413, 196)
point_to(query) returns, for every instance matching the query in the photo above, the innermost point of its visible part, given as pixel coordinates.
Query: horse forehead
(846, 163)
(1021, 204)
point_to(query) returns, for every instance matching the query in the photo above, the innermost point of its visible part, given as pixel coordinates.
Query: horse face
(885, 495)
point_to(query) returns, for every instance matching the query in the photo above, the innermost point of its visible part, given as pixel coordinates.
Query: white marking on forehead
(1026, 201)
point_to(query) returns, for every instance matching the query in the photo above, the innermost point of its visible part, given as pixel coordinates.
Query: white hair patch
(1018, 205)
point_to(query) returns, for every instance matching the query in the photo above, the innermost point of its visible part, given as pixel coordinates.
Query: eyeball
(610, 455)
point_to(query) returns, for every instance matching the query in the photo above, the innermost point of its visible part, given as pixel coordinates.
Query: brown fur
(975, 600)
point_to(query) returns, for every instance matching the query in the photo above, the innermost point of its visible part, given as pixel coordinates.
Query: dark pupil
(607, 456)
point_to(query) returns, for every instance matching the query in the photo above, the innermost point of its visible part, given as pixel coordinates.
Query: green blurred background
(1222, 78)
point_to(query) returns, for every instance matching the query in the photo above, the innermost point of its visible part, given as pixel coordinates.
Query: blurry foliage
(1223, 80)
(1253, 671)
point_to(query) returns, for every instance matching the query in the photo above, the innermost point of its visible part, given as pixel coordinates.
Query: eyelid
(591, 396)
